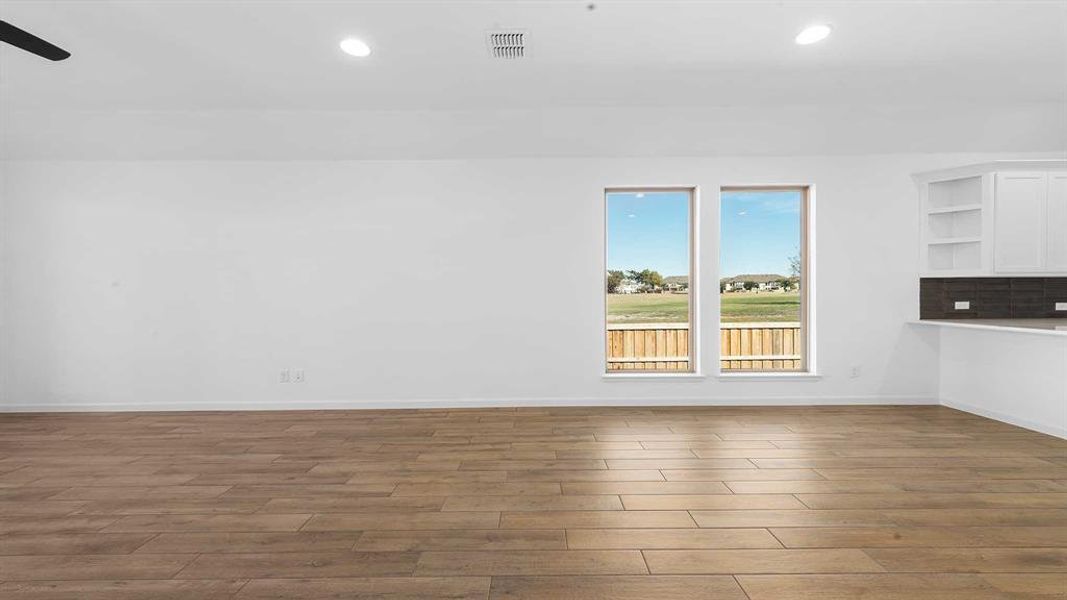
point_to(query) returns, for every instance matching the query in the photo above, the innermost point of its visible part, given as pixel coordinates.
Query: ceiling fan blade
(30, 43)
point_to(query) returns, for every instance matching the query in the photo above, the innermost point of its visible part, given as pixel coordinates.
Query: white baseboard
(882, 400)
(468, 403)
(1059, 432)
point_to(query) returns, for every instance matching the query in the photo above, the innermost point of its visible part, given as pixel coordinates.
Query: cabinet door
(1057, 222)
(1020, 205)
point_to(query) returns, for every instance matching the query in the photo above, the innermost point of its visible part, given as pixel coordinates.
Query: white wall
(1019, 378)
(190, 284)
(739, 129)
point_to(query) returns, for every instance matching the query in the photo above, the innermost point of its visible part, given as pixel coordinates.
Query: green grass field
(737, 307)
(772, 307)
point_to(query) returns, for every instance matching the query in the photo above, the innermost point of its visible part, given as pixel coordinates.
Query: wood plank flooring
(561, 504)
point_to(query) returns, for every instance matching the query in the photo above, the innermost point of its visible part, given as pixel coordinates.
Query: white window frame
(807, 287)
(694, 371)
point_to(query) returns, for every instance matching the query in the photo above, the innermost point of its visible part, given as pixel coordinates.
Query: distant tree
(614, 279)
(652, 278)
(722, 287)
(750, 285)
(648, 279)
(785, 284)
(794, 265)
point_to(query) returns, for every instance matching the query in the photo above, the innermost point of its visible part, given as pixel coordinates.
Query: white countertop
(1038, 326)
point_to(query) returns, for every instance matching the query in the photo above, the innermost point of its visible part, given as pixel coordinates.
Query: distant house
(765, 282)
(676, 283)
(628, 286)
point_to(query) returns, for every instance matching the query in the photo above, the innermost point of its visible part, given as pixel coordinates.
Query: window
(764, 287)
(649, 296)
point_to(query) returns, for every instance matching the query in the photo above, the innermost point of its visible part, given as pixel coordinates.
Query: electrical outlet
(1061, 306)
(298, 376)
(855, 372)
(965, 305)
(283, 376)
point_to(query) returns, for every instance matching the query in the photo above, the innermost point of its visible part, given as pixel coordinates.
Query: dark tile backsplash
(991, 297)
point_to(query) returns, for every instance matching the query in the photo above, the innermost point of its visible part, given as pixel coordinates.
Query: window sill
(769, 376)
(660, 376)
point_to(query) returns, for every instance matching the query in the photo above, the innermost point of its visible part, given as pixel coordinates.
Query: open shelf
(954, 219)
(955, 193)
(954, 226)
(955, 256)
(954, 209)
(955, 240)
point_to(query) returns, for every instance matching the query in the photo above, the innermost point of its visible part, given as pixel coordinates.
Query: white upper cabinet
(1057, 222)
(999, 218)
(1021, 223)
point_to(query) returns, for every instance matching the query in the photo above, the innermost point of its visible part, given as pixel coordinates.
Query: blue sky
(760, 231)
(649, 231)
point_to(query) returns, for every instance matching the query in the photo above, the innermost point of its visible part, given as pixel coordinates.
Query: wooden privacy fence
(743, 347)
(761, 346)
(648, 347)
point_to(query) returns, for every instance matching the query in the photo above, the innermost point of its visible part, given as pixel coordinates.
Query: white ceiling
(432, 54)
(171, 57)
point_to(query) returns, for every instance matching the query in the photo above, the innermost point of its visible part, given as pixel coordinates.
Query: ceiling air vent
(506, 43)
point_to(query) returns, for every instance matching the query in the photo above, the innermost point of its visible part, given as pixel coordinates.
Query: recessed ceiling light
(815, 33)
(355, 47)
